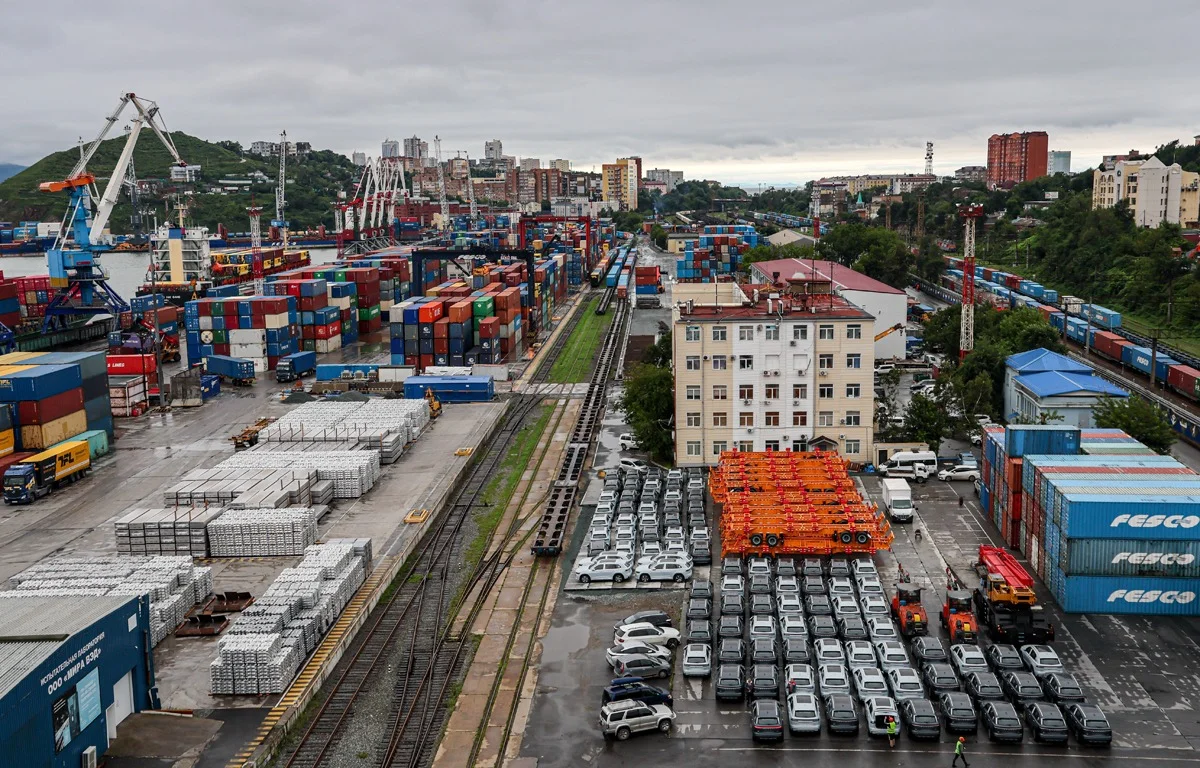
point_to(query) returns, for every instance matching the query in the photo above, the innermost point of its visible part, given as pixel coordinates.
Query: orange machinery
(907, 609)
(786, 503)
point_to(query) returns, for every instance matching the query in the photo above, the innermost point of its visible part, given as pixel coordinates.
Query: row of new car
(643, 646)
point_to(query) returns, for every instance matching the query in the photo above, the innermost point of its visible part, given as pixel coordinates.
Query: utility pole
(280, 196)
(1154, 334)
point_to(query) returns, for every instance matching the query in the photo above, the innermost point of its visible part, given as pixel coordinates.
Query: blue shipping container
(1100, 515)
(1129, 557)
(229, 367)
(1155, 596)
(452, 389)
(1040, 439)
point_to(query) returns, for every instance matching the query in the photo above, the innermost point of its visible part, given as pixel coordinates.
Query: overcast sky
(777, 91)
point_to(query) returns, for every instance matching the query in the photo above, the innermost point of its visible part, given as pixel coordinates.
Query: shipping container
(1040, 439)
(452, 389)
(1130, 557)
(1152, 596)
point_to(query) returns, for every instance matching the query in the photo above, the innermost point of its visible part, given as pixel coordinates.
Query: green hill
(313, 183)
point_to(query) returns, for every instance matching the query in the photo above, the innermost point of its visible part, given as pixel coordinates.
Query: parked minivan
(906, 463)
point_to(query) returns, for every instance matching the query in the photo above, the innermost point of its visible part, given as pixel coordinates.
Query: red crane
(966, 339)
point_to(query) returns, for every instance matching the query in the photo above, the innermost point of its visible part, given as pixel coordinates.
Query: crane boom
(443, 203)
(104, 208)
(86, 155)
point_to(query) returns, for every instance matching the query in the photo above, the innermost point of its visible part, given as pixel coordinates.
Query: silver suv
(622, 719)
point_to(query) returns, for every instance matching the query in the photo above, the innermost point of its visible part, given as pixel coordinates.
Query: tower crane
(970, 212)
(443, 203)
(280, 198)
(75, 271)
(256, 255)
(471, 193)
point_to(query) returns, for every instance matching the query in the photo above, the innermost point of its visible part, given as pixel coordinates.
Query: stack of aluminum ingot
(262, 532)
(179, 531)
(173, 584)
(353, 472)
(291, 616)
(385, 425)
(233, 484)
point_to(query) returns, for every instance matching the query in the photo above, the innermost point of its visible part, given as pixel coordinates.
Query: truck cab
(21, 486)
(295, 365)
(897, 500)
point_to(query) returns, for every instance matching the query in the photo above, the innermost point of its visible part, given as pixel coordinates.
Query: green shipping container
(97, 440)
(368, 313)
(220, 337)
(485, 306)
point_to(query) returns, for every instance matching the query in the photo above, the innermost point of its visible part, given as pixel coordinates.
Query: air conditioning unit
(750, 430)
(800, 371)
(88, 758)
(824, 372)
(760, 329)
(792, 343)
(746, 402)
(795, 402)
(842, 422)
(774, 373)
(706, 357)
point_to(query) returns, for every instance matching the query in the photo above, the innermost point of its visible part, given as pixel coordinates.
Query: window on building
(746, 391)
(693, 419)
(692, 362)
(799, 418)
(799, 333)
(745, 333)
(720, 419)
(825, 362)
(745, 446)
(746, 362)
(825, 332)
(853, 419)
(693, 392)
(799, 446)
(771, 445)
(800, 363)
(853, 447)
(825, 391)
(720, 392)
(854, 361)
(718, 333)
(693, 447)
(771, 419)
(771, 362)
(720, 363)
(692, 333)
(800, 391)
(746, 419)
(853, 331)
(772, 392)
(853, 390)
(772, 333)
(825, 419)
(719, 447)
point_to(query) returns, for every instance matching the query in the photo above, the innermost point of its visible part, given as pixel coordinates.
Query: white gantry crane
(280, 220)
(443, 203)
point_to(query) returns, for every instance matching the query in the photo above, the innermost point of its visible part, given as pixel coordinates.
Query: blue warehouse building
(1043, 384)
(71, 669)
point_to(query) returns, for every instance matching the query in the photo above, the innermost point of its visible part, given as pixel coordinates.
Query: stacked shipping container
(257, 328)
(715, 254)
(51, 397)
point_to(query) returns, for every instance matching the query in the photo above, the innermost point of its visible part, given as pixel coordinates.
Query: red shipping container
(1184, 379)
(1106, 344)
(441, 346)
(426, 361)
(430, 312)
(50, 408)
(441, 329)
(132, 365)
(489, 328)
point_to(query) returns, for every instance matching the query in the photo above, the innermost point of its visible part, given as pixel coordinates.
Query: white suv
(967, 658)
(1041, 660)
(622, 719)
(606, 569)
(664, 568)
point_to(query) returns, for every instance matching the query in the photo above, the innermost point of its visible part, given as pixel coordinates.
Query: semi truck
(295, 365)
(897, 499)
(1005, 600)
(238, 370)
(39, 475)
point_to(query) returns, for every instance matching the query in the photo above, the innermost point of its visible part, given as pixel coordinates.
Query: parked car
(834, 678)
(1041, 659)
(958, 712)
(627, 441)
(730, 626)
(804, 713)
(762, 605)
(701, 552)
(814, 585)
(840, 714)
(730, 685)
(920, 719)
(790, 605)
(763, 682)
(648, 633)
(697, 660)
(829, 651)
(699, 631)
(796, 651)
(623, 652)
(881, 627)
(905, 683)
(732, 604)
(860, 653)
(1046, 722)
(868, 682)
(731, 565)
(732, 651)
(615, 570)
(928, 649)
(623, 688)
(840, 585)
(966, 658)
(839, 566)
(1088, 723)
(1004, 658)
(760, 584)
(700, 588)
(641, 665)
(758, 566)
(656, 617)
(878, 710)
(789, 585)
(633, 465)
(818, 605)
(959, 472)
(983, 686)
(763, 626)
(733, 583)
(874, 606)
(1021, 688)
(852, 628)
(1061, 688)
(939, 678)
(762, 651)
(622, 719)
(793, 625)
(1001, 721)
(891, 654)
(799, 678)
(766, 722)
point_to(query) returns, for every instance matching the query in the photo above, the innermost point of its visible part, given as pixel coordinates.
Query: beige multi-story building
(619, 182)
(1155, 192)
(761, 369)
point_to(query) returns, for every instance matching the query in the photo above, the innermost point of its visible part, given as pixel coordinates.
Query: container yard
(716, 254)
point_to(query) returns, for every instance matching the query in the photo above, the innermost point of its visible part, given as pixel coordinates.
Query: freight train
(787, 220)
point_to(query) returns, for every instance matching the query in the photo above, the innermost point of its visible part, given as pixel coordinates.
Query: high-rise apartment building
(391, 148)
(772, 370)
(561, 165)
(671, 178)
(619, 182)
(548, 183)
(493, 150)
(1155, 192)
(359, 158)
(1058, 161)
(414, 147)
(530, 163)
(1016, 157)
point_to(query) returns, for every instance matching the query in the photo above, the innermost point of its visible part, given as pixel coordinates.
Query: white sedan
(614, 569)
(960, 472)
(665, 568)
(697, 660)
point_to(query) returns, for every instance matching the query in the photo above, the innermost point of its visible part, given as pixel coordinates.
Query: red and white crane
(970, 212)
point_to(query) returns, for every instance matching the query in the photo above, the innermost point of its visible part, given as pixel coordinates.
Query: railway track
(412, 625)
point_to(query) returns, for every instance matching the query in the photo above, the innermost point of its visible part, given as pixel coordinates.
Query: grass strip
(578, 357)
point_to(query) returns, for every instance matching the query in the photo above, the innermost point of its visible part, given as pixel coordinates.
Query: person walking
(960, 751)
(891, 731)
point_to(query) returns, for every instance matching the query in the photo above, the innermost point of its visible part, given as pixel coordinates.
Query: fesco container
(1150, 596)
(1102, 515)
(1130, 557)
(452, 389)
(1040, 439)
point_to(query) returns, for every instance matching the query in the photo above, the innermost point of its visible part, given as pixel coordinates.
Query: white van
(897, 500)
(917, 465)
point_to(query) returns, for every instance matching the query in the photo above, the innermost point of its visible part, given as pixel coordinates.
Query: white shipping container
(248, 336)
(276, 321)
(329, 345)
(397, 373)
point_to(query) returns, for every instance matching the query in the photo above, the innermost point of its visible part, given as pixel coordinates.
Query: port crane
(280, 221)
(970, 213)
(369, 214)
(74, 260)
(443, 203)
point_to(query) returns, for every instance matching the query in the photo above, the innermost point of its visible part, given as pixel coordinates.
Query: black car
(1062, 688)
(731, 565)
(655, 617)
(700, 588)
(818, 605)
(732, 651)
(822, 626)
(762, 651)
(701, 552)
(766, 723)
(928, 649)
(852, 628)
(813, 585)
(730, 626)
(761, 605)
(729, 685)
(840, 566)
(699, 631)
(1088, 723)
(939, 678)
(958, 712)
(1001, 721)
(983, 686)
(812, 567)
(732, 604)
(1046, 722)
(796, 650)
(1021, 688)
(699, 608)
(785, 566)
(623, 688)
(760, 584)
(1004, 658)
(920, 719)
(840, 714)
(763, 682)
